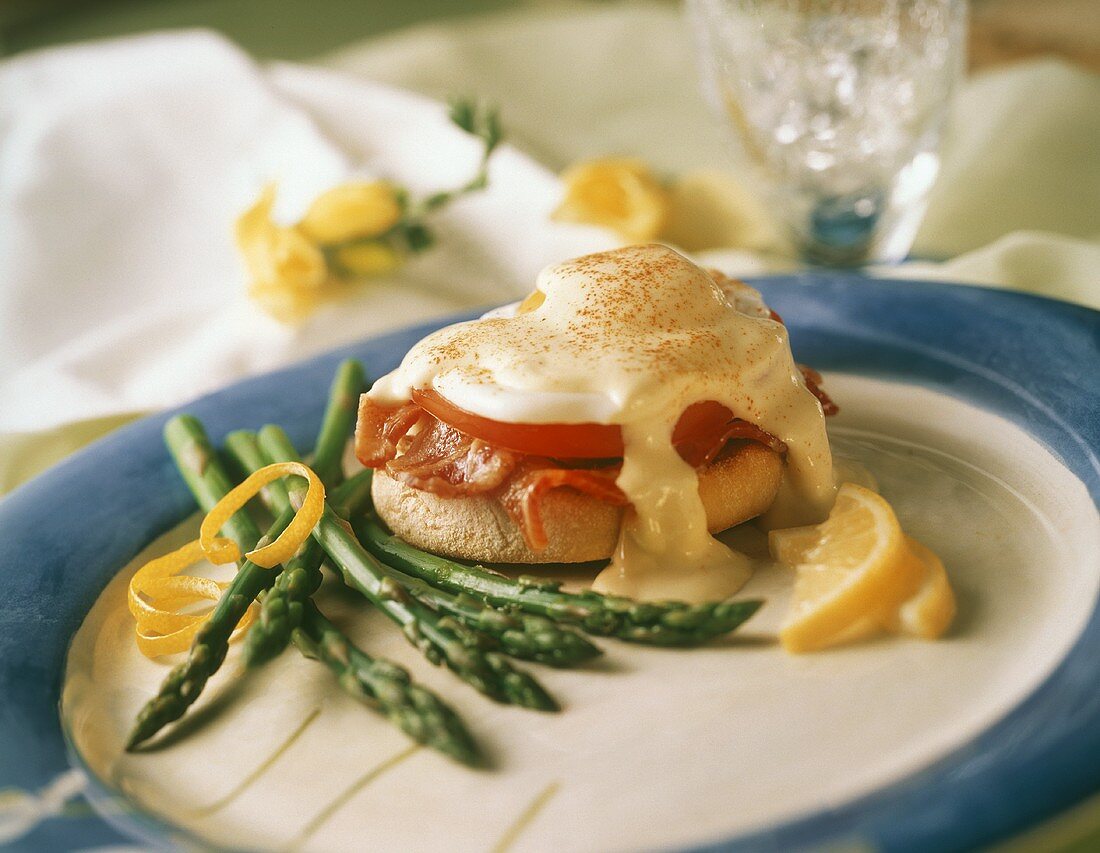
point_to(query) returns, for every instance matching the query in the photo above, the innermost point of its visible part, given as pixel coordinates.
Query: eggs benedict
(631, 407)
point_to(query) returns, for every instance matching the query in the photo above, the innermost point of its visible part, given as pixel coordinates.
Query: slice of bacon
(446, 462)
(813, 383)
(380, 430)
(704, 451)
(438, 458)
(524, 492)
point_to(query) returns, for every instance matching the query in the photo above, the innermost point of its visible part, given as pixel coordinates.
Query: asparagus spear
(208, 481)
(242, 451)
(281, 609)
(336, 426)
(519, 635)
(439, 639)
(416, 711)
(664, 623)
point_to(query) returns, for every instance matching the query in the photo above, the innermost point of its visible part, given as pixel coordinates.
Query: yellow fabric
(24, 455)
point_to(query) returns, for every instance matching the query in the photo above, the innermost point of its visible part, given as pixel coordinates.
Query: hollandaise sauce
(633, 337)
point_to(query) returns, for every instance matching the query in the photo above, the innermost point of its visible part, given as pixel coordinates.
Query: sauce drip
(668, 523)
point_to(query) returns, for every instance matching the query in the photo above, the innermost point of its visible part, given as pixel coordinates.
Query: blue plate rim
(977, 794)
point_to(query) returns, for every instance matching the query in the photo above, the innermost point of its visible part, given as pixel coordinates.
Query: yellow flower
(286, 304)
(368, 258)
(621, 194)
(275, 254)
(287, 271)
(351, 211)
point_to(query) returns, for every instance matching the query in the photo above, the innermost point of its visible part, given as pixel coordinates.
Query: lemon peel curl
(159, 597)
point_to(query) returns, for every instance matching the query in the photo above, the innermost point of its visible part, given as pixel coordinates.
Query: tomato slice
(697, 424)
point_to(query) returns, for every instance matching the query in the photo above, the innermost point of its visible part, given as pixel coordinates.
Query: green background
(284, 29)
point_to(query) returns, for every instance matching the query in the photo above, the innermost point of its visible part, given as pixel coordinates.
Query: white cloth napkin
(124, 166)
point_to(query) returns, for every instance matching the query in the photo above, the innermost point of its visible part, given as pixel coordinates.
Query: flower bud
(368, 259)
(351, 211)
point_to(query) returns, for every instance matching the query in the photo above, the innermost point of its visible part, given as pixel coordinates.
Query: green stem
(440, 641)
(339, 420)
(385, 686)
(482, 123)
(204, 475)
(662, 623)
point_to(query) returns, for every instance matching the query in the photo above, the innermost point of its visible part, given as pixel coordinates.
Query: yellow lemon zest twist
(220, 550)
(161, 629)
(158, 593)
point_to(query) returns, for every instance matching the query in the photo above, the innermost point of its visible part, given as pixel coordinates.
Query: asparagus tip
(140, 733)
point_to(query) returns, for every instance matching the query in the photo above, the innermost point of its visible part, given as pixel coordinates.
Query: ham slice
(380, 430)
(523, 494)
(446, 462)
(706, 450)
(435, 457)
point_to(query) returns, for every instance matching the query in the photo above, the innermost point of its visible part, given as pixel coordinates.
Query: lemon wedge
(929, 613)
(858, 573)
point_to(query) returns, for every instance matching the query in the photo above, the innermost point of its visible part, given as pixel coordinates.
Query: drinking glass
(840, 107)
